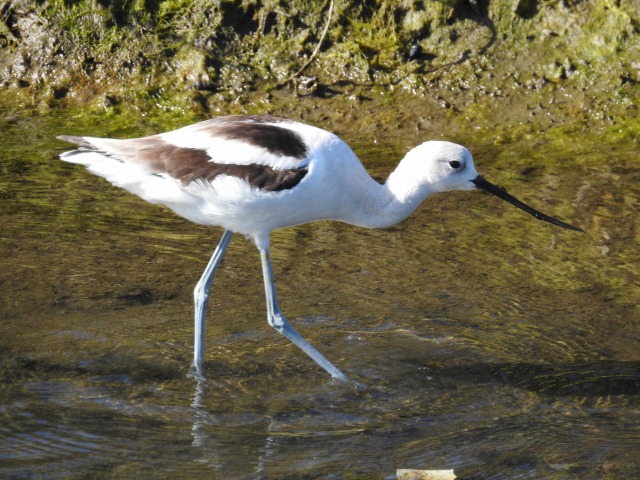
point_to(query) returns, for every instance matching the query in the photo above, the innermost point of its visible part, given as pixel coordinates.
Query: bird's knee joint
(200, 295)
(277, 322)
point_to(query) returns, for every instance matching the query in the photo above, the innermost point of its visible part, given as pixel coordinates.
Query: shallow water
(490, 343)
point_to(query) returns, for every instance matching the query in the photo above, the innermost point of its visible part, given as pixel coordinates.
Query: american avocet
(253, 174)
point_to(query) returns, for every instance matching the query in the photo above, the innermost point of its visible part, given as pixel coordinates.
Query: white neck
(380, 206)
(431, 167)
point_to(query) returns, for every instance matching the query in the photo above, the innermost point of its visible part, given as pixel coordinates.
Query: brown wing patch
(256, 131)
(190, 164)
(259, 176)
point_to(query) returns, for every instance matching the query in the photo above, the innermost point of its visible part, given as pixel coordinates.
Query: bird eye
(455, 164)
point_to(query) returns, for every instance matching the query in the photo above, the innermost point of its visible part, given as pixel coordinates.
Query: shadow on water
(588, 379)
(489, 343)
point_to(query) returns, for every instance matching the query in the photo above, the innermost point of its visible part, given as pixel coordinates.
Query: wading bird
(253, 174)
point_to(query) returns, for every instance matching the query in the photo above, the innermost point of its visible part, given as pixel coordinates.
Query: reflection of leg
(199, 414)
(279, 322)
(200, 298)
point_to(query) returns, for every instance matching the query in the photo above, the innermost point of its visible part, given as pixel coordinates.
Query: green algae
(585, 177)
(206, 52)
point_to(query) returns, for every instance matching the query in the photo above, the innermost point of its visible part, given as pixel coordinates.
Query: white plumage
(253, 174)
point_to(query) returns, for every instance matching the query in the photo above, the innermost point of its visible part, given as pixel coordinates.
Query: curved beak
(483, 184)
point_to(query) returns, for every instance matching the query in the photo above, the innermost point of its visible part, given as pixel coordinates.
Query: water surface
(491, 343)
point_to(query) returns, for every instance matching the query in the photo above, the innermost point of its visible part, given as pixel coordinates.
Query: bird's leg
(280, 323)
(200, 298)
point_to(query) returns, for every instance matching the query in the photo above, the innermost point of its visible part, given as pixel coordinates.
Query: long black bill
(483, 184)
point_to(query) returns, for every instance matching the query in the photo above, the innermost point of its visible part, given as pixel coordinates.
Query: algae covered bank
(513, 61)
